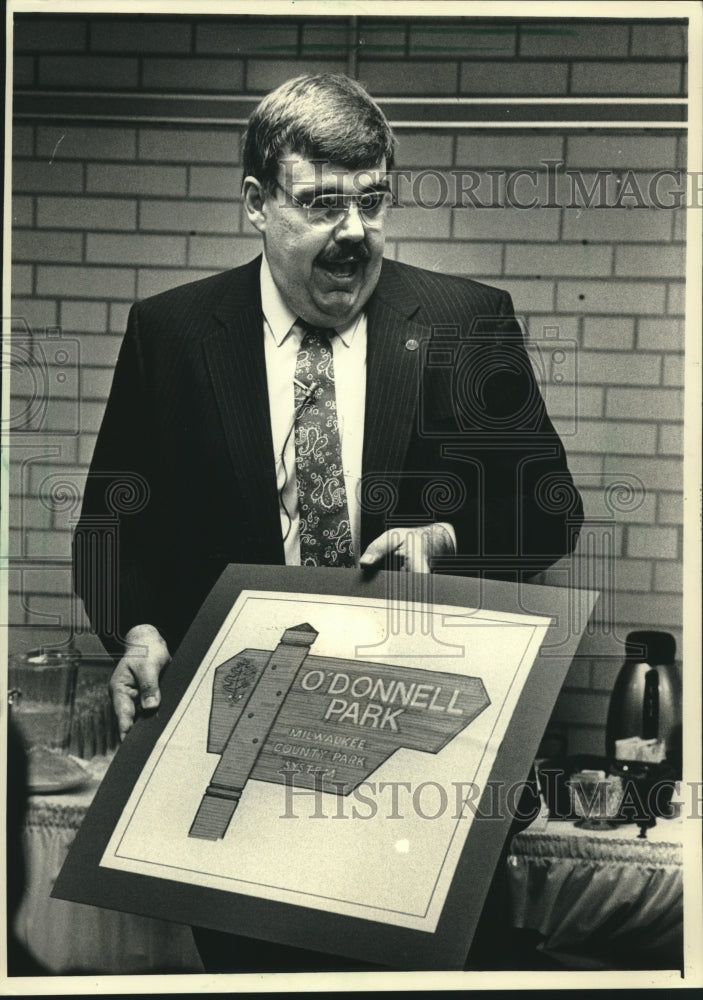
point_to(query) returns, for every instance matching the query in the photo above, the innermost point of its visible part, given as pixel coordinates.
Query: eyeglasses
(325, 211)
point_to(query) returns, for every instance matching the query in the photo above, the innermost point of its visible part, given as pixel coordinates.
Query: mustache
(355, 252)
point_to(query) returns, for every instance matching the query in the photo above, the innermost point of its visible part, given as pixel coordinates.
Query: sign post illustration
(328, 721)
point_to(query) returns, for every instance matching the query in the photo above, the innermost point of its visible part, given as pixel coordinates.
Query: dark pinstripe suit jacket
(455, 430)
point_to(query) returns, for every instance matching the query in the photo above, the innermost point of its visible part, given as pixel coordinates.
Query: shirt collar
(280, 317)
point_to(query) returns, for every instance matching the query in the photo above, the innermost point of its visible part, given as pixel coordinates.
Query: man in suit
(445, 456)
(319, 405)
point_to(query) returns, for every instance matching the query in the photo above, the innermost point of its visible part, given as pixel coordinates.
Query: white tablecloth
(72, 937)
(601, 899)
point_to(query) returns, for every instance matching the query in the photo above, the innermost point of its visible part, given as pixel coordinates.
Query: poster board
(336, 761)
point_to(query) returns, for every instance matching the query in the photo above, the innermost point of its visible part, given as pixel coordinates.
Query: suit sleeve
(521, 511)
(115, 571)
(549, 506)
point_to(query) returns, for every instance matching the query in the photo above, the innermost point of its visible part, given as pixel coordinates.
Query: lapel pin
(411, 345)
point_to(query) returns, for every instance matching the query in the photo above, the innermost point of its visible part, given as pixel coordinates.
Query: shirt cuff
(450, 531)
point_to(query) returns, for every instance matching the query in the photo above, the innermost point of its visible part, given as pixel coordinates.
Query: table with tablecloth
(601, 898)
(70, 937)
(597, 899)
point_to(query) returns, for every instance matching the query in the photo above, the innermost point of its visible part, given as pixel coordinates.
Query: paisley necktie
(325, 529)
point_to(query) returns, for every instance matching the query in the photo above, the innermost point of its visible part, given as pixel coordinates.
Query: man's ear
(254, 202)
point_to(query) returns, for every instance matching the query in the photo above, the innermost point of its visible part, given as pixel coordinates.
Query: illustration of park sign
(320, 721)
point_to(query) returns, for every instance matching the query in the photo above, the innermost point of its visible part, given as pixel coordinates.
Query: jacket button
(411, 345)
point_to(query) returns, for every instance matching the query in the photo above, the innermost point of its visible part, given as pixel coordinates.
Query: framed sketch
(336, 762)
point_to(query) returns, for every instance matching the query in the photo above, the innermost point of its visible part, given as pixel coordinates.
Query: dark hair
(326, 117)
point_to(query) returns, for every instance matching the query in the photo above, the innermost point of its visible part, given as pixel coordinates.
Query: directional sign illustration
(327, 722)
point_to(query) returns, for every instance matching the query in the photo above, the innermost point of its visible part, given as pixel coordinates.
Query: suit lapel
(234, 355)
(393, 376)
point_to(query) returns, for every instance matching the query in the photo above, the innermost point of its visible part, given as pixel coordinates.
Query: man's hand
(414, 547)
(136, 676)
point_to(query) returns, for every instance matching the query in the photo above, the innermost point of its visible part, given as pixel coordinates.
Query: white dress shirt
(281, 345)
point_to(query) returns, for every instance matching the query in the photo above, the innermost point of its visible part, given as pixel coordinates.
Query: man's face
(325, 274)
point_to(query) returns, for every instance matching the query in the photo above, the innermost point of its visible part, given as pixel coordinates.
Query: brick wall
(104, 213)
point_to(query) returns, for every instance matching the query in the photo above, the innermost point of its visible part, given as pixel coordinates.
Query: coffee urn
(646, 698)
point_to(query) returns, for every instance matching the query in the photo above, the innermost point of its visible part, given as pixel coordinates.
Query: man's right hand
(136, 676)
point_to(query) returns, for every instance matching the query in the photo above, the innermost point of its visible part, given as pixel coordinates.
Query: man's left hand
(413, 547)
